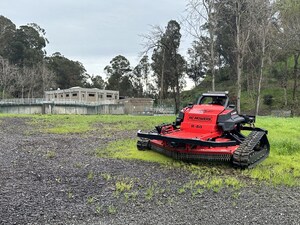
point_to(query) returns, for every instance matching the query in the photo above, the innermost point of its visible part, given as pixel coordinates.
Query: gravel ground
(57, 179)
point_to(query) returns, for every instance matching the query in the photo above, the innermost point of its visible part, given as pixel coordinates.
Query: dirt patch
(57, 179)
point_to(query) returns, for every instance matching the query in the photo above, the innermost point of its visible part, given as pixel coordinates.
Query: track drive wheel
(142, 144)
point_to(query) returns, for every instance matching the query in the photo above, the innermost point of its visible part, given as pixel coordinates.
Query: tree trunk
(262, 64)
(162, 78)
(294, 98)
(238, 59)
(212, 60)
(285, 96)
(239, 82)
(284, 82)
(212, 41)
(177, 95)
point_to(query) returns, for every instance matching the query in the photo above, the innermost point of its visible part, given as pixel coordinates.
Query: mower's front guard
(194, 142)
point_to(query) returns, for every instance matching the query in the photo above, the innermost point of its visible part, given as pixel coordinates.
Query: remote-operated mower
(209, 130)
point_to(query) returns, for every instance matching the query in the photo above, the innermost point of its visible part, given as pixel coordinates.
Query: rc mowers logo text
(199, 118)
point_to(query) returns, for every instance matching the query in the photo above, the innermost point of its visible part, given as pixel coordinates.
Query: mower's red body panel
(200, 122)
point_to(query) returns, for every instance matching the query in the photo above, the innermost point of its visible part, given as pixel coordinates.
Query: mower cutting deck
(209, 130)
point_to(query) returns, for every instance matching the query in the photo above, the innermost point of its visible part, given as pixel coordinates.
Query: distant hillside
(272, 96)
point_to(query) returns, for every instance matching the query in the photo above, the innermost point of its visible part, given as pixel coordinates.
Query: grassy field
(282, 167)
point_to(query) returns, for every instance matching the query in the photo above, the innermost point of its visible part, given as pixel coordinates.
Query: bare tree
(151, 41)
(262, 14)
(201, 20)
(242, 28)
(7, 74)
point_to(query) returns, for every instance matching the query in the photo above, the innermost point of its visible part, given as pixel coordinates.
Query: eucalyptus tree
(289, 35)
(167, 64)
(68, 73)
(142, 71)
(197, 65)
(98, 82)
(7, 31)
(119, 76)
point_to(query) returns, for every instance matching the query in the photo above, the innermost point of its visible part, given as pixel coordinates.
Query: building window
(91, 95)
(61, 96)
(67, 95)
(82, 95)
(55, 96)
(74, 94)
(116, 97)
(108, 96)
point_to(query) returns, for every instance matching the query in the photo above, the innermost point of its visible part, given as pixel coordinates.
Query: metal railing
(22, 101)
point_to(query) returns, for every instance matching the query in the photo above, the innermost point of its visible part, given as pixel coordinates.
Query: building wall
(84, 95)
(138, 105)
(113, 109)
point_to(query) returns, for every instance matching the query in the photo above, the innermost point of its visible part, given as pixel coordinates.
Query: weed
(70, 195)
(90, 175)
(98, 209)
(106, 176)
(181, 190)
(78, 165)
(197, 191)
(50, 154)
(236, 195)
(149, 193)
(112, 209)
(122, 186)
(90, 200)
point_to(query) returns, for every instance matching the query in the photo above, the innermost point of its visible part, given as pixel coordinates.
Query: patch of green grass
(215, 184)
(278, 170)
(64, 124)
(130, 195)
(282, 167)
(126, 149)
(233, 182)
(122, 186)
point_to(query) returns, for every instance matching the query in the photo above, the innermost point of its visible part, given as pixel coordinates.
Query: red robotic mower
(209, 130)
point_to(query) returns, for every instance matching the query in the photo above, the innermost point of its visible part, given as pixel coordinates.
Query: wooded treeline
(25, 69)
(245, 45)
(249, 44)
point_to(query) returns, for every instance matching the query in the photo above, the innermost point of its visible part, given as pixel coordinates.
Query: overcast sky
(94, 31)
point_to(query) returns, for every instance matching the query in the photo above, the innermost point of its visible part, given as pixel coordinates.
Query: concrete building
(77, 100)
(83, 95)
